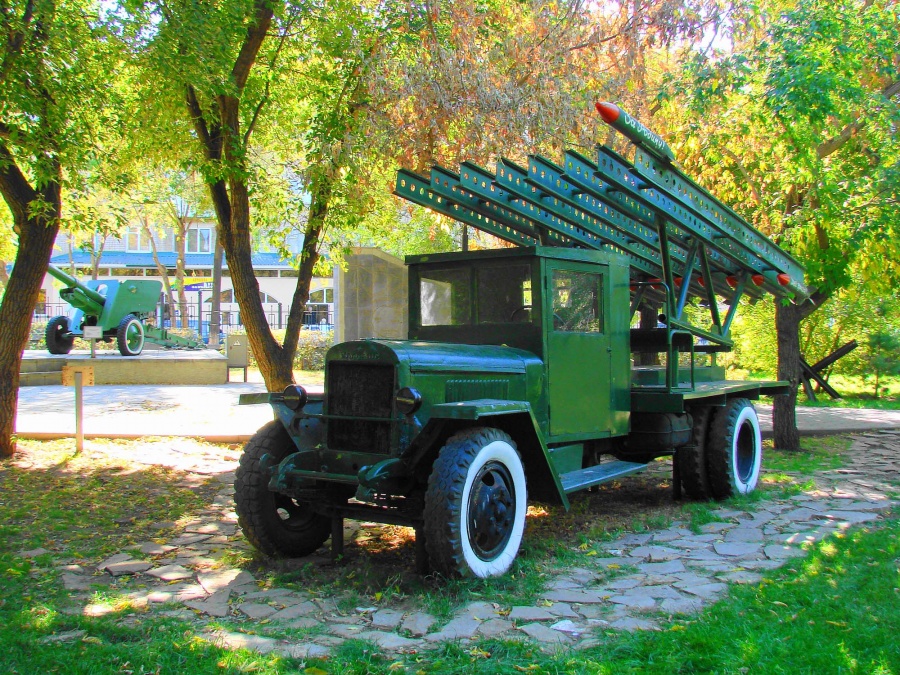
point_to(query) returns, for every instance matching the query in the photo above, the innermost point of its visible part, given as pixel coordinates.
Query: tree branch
(754, 188)
(16, 40)
(834, 144)
(256, 33)
(212, 142)
(265, 97)
(15, 188)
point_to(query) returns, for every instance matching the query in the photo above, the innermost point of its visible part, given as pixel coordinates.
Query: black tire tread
(253, 500)
(443, 498)
(692, 458)
(122, 336)
(56, 344)
(719, 458)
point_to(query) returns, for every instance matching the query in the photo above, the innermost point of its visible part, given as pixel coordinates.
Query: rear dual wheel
(726, 456)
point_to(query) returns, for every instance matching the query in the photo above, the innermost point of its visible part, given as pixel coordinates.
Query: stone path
(633, 583)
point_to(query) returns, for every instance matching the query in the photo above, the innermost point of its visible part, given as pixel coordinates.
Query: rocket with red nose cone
(636, 132)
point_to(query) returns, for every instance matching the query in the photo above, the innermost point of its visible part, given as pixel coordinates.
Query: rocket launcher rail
(666, 225)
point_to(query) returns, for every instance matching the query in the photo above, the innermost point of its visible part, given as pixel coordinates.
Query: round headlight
(295, 396)
(408, 400)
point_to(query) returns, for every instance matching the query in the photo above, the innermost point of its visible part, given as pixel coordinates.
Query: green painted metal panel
(131, 296)
(576, 307)
(475, 410)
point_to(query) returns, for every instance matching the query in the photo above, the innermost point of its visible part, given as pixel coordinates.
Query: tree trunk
(96, 256)
(37, 234)
(784, 412)
(180, 245)
(787, 328)
(163, 272)
(275, 362)
(215, 315)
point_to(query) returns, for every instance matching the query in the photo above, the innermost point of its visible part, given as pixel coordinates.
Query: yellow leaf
(396, 665)
(527, 669)
(90, 639)
(378, 596)
(590, 553)
(545, 603)
(613, 566)
(312, 670)
(583, 547)
(480, 653)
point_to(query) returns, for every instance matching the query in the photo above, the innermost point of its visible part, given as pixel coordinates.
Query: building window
(136, 240)
(322, 295)
(199, 240)
(227, 296)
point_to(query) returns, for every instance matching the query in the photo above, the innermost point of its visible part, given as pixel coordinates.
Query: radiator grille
(360, 390)
(469, 390)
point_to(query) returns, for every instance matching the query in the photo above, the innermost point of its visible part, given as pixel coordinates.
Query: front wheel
(57, 336)
(130, 336)
(734, 451)
(475, 505)
(274, 524)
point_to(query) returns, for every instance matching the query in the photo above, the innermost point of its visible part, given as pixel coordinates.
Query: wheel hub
(491, 510)
(746, 455)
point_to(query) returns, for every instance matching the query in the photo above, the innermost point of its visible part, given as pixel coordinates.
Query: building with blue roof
(133, 254)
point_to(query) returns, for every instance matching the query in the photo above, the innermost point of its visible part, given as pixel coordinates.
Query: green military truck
(518, 381)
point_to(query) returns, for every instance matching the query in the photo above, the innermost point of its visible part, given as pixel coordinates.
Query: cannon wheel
(57, 336)
(130, 336)
(475, 505)
(275, 524)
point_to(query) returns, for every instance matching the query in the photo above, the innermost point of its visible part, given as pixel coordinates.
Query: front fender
(516, 418)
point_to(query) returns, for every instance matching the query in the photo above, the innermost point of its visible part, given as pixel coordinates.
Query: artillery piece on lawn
(119, 308)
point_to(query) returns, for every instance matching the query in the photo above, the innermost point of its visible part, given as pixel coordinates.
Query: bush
(311, 348)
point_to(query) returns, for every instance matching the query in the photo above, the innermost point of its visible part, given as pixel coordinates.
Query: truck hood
(421, 356)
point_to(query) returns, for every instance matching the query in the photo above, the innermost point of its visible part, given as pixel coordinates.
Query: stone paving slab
(641, 580)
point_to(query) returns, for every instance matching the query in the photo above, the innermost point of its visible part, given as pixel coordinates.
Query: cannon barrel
(77, 294)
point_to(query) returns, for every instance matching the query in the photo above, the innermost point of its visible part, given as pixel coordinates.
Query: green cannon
(118, 308)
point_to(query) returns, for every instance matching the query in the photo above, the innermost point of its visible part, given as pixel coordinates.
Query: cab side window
(577, 302)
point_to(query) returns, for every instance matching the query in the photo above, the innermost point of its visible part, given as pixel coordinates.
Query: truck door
(578, 349)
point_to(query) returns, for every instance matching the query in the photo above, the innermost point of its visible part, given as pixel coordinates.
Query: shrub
(311, 348)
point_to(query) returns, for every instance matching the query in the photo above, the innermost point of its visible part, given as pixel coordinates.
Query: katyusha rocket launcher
(682, 203)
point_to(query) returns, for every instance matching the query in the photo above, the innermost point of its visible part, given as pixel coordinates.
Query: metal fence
(318, 316)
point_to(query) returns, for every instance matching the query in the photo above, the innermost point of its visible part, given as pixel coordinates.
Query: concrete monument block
(371, 296)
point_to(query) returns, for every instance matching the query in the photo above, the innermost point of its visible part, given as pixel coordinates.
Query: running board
(594, 475)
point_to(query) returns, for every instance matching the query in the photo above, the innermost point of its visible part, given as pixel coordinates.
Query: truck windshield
(500, 294)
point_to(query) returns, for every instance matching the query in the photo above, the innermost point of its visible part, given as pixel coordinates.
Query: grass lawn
(836, 611)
